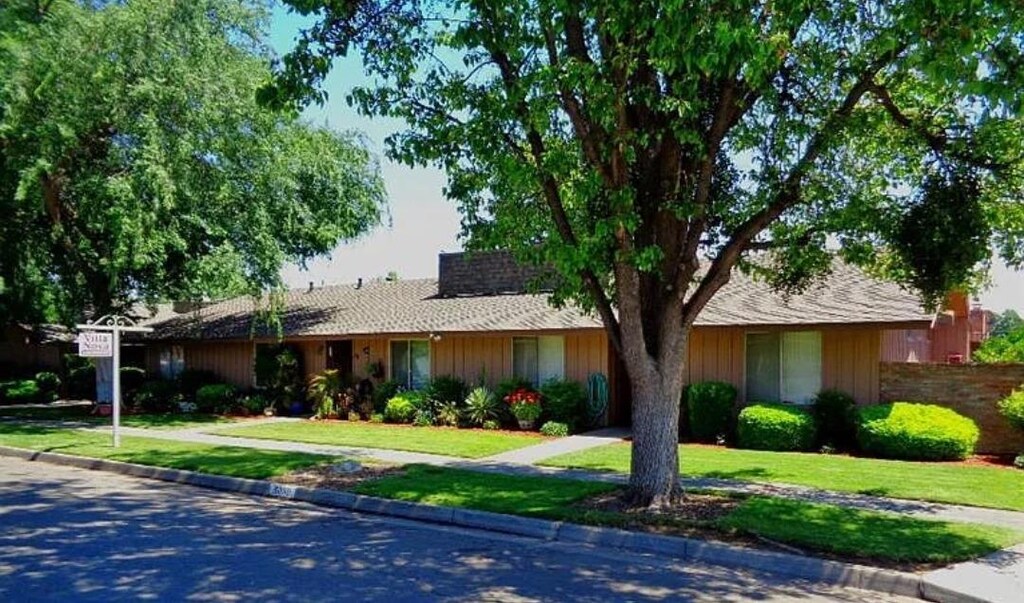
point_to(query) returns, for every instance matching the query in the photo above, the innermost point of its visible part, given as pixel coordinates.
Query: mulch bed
(323, 476)
(693, 508)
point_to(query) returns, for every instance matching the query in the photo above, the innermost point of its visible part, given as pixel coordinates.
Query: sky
(422, 222)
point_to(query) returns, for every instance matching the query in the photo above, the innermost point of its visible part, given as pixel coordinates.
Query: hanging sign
(92, 344)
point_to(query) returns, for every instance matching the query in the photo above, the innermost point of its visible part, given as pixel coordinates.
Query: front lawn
(938, 482)
(82, 413)
(466, 443)
(204, 458)
(848, 533)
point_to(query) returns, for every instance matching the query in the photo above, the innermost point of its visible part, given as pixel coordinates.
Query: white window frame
(391, 367)
(782, 364)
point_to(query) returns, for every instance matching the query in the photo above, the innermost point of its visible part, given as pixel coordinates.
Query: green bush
(422, 418)
(132, 379)
(156, 396)
(49, 385)
(563, 401)
(377, 418)
(482, 406)
(399, 410)
(448, 414)
(1019, 461)
(833, 412)
(82, 382)
(216, 398)
(771, 426)
(904, 430)
(382, 393)
(254, 403)
(491, 425)
(507, 386)
(447, 388)
(21, 391)
(554, 429)
(1003, 348)
(190, 380)
(710, 407)
(1012, 407)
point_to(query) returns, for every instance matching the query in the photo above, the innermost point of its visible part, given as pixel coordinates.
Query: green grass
(967, 485)
(84, 414)
(466, 443)
(515, 495)
(221, 460)
(857, 533)
(845, 532)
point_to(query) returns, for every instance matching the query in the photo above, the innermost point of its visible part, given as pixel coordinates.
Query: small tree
(647, 149)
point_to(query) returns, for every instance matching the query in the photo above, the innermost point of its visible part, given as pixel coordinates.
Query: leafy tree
(135, 163)
(1008, 347)
(647, 149)
(1005, 323)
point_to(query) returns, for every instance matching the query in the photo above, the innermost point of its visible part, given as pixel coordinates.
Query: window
(538, 359)
(172, 361)
(410, 362)
(783, 366)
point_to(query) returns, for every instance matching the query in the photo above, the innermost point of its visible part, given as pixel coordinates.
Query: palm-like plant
(324, 390)
(482, 406)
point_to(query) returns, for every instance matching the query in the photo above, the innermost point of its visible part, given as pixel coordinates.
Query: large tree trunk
(654, 469)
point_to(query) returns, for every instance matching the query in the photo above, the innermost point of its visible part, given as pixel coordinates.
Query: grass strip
(221, 460)
(847, 533)
(992, 487)
(464, 443)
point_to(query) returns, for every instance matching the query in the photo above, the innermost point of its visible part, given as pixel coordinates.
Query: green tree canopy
(135, 163)
(647, 148)
(1006, 323)
(1005, 347)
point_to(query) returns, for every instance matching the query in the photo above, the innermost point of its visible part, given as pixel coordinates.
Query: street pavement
(77, 535)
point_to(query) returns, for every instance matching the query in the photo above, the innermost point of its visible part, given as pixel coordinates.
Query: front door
(339, 356)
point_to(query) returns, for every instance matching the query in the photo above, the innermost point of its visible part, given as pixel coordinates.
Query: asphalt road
(77, 535)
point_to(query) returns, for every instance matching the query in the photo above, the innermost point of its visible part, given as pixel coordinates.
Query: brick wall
(970, 389)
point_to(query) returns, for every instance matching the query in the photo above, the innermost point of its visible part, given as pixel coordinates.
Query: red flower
(522, 396)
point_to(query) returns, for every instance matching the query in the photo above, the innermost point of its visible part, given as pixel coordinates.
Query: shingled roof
(848, 296)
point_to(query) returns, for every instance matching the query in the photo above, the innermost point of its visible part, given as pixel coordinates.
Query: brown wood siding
(314, 356)
(231, 361)
(716, 354)
(849, 362)
(31, 356)
(366, 350)
(586, 353)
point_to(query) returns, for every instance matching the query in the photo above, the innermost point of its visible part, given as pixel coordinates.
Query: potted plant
(525, 406)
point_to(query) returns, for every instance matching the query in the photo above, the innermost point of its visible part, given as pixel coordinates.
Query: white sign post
(102, 339)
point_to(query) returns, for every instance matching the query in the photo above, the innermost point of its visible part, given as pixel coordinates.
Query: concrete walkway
(552, 448)
(997, 578)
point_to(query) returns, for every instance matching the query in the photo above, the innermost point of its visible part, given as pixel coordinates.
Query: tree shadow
(94, 537)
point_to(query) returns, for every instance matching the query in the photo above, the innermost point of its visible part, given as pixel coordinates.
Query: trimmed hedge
(21, 391)
(563, 401)
(834, 414)
(216, 398)
(49, 385)
(1012, 407)
(906, 430)
(771, 426)
(710, 406)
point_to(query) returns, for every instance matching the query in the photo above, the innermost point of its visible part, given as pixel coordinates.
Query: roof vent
(311, 286)
(359, 283)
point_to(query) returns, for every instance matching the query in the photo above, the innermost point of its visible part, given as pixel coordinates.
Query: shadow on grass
(870, 535)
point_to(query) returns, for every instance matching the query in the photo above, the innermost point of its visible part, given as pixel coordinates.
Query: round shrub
(447, 388)
(21, 391)
(423, 418)
(563, 401)
(156, 396)
(1019, 461)
(49, 385)
(709, 406)
(904, 430)
(1012, 407)
(491, 425)
(382, 393)
(399, 410)
(554, 429)
(216, 398)
(833, 412)
(770, 426)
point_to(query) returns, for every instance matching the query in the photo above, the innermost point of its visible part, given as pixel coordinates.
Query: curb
(807, 568)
